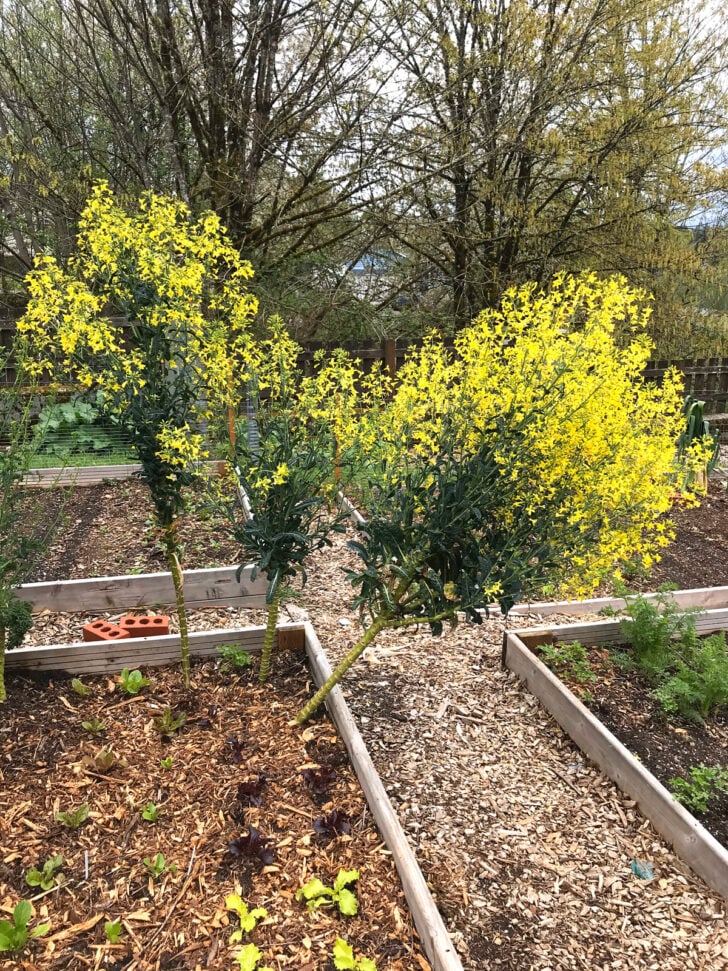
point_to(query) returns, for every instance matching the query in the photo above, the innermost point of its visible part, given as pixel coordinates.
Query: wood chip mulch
(235, 730)
(526, 844)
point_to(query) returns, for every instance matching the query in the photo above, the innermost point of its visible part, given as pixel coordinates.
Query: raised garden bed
(616, 721)
(234, 731)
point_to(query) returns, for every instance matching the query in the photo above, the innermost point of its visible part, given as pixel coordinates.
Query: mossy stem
(379, 623)
(270, 634)
(3, 694)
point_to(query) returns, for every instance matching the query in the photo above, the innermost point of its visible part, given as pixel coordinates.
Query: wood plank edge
(348, 506)
(86, 656)
(603, 631)
(128, 591)
(690, 840)
(436, 941)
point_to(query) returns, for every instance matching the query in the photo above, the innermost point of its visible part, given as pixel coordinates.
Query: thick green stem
(176, 571)
(3, 694)
(270, 635)
(380, 622)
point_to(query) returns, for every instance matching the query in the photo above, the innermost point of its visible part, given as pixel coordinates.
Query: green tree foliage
(547, 135)
(488, 142)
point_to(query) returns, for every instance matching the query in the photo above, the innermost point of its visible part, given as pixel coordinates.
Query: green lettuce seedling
(168, 722)
(133, 681)
(112, 930)
(150, 812)
(75, 818)
(317, 895)
(14, 935)
(47, 877)
(158, 865)
(248, 918)
(248, 958)
(80, 688)
(344, 959)
(94, 726)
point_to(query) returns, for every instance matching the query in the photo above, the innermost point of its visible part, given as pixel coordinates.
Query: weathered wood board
(203, 588)
(85, 475)
(98, 657)
(436, 941)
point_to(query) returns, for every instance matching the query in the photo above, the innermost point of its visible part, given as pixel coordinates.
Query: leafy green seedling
(158, 865)
(233, 658)
(151, 813)
(249, 957)
(248, 918)
(344, 958)
(80, 688)
(47, 877)
(14, 935)
(75, 818)
(705, 784)
(166, 763)
(317, 895)
(168, 722)
(94, 726)
(569, 659)
(112, 930)
(133, 681)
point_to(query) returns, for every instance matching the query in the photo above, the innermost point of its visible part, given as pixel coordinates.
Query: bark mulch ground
(624, 702)
(527, 846)
(237, 767)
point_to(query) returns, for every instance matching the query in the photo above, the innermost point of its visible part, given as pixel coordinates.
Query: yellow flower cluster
(552, 381)
(179, 447)
(182, 287)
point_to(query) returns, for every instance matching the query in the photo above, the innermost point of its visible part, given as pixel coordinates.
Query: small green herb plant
(159, 865)
(151, 813)
(690, 673)
(168, 722)
(248, 918)
(248, 958)
(46, 878)
(74, 818)
(704, 784)
(80, 688)
(166, 763)
(344, 959)
(571, 660)
(233, 658)
(112, 930)
(133, 681)
(94, 726)
(14, 935)
(316, 894)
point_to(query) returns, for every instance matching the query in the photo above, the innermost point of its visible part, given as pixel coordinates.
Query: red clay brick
(102, 630)
(144, 625)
